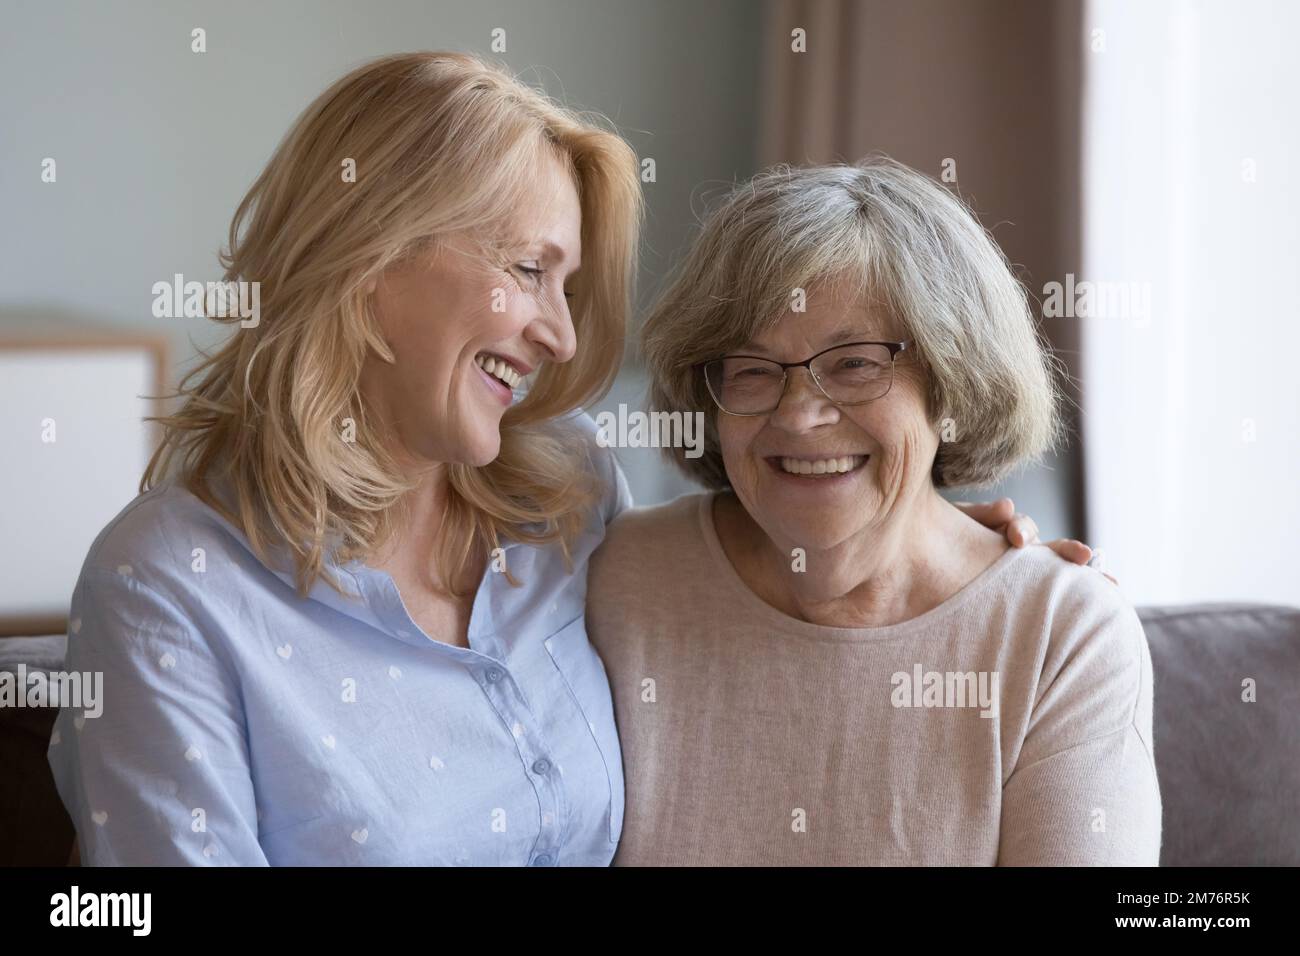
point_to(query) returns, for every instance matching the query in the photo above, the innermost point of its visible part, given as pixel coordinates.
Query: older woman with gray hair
(834, 665)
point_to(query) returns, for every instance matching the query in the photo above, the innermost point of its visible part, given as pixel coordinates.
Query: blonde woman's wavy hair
(444, 144)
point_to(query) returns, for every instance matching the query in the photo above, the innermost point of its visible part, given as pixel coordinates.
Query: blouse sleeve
(160, 776)
(616, 495)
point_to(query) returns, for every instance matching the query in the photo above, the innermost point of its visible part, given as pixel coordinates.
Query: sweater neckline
(784, 623)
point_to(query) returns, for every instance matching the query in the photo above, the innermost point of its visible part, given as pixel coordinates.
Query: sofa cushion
(35, 830)
(1229, 769)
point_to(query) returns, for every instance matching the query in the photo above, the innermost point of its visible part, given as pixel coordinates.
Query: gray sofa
(1229, 770)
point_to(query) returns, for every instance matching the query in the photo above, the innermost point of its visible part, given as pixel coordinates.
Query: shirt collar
(280, 558)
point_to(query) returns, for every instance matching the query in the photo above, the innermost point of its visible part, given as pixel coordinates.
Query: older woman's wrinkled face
(889, 442)
(465, 331)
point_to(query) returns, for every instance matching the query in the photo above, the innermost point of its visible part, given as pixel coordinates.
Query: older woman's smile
(822, 468)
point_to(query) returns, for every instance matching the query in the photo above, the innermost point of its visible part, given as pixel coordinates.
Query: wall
(155, 145)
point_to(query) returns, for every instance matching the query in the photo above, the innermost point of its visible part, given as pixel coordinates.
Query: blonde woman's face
(465, 331)
(888, 445)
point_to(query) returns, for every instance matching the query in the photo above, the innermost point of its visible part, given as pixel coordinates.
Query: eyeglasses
(852, 374)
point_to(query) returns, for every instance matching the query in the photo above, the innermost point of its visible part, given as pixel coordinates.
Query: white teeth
(499, 368)
(824, 466)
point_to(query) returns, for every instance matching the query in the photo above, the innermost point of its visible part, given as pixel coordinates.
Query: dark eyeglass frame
(894, 349)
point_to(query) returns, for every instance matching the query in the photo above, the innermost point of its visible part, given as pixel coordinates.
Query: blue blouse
(243, 725)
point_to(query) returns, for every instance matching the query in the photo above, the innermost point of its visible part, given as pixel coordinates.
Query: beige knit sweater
(1010, 725)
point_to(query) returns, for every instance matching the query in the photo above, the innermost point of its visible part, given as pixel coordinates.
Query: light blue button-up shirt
(244, 725)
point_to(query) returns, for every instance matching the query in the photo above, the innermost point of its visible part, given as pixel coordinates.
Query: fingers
(1022, 530)
(1098, 562)
(1076, 552)
(991, 514)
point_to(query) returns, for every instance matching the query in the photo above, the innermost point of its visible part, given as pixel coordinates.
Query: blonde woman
(344, 621)
(362, 439)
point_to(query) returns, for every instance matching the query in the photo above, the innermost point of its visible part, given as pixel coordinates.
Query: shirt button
(541, 766)
(493, 675)
(543, 860)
